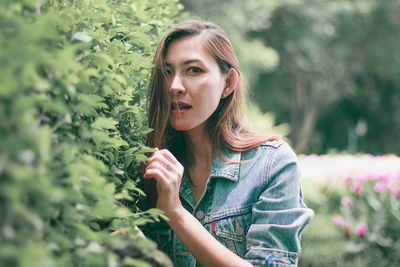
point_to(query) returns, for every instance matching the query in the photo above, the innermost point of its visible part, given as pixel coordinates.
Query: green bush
(73, 85)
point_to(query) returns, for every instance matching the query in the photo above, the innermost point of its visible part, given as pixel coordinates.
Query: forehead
(187, 48)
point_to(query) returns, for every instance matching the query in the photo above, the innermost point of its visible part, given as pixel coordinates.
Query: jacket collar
(226, 165)
(227, 168)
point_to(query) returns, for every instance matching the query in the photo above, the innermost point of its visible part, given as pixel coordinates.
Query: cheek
(211, 90)
(211, 97)
(211, 102)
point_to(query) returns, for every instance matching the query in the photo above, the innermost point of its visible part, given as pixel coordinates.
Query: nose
(176, 85)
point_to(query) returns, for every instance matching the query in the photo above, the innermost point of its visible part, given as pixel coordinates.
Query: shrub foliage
(73, 85)
(370, 216)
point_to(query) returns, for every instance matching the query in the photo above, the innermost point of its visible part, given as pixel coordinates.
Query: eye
(195, 70)
(169, 72)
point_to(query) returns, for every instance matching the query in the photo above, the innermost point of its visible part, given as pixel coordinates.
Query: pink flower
(331, 183)
(361, 229)
(337, 221)
(348, 180)
(379, 187)
(346, 201)
(358, 188)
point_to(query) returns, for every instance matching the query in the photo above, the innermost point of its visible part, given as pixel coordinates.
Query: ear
(231, 82)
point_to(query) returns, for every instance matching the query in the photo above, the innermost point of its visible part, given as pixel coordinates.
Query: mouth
(180, 106)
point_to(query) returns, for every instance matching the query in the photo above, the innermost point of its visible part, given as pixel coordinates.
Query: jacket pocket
(231, 232)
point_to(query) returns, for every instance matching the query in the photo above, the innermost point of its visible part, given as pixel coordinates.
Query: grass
(322, 244)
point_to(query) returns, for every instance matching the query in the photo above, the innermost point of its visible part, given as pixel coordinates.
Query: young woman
(232, 196)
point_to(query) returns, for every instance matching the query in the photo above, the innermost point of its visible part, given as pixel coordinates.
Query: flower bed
(363, 195)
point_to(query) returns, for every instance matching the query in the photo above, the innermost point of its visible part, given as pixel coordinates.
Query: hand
(168, 172)
(125, 231)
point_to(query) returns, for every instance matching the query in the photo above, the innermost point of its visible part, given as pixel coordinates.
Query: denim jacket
(252, 204)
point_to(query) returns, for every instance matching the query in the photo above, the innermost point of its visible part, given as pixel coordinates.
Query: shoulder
(270, 150)
(277, 150)
(275, 144)
(269, 157)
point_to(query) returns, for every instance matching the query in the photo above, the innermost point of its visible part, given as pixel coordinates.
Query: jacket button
(200, 215)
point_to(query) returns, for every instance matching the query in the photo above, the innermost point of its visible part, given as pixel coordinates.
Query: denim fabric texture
(252, 204)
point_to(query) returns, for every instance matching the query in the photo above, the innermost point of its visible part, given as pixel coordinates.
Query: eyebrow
(187, 62)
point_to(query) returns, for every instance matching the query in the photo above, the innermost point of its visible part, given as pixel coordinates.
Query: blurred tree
(330, 58)
(328, 52)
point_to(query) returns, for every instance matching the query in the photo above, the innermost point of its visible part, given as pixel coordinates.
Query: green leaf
(146, 149)
(123, 195)
(141, 158)
(119, 78)
(155, 213)
(90, 72)
(130, 185)
(104, 209)
(145, 130)
(102, 60)
(105, 123)
(136, 263)
(92, 101)
(128, 159)
(103, 139)
(109, 189)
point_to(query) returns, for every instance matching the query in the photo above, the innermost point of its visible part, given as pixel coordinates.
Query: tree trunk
(303, 132)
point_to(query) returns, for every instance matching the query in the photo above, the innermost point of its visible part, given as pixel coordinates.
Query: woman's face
(195, 82)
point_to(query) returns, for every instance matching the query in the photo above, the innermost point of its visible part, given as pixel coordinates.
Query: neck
(198, 159)
(200, 146)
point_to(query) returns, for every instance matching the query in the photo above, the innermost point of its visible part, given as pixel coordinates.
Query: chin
(181, 127)
(187, 125)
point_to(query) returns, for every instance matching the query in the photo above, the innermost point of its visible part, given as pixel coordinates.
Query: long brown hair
(224, 126)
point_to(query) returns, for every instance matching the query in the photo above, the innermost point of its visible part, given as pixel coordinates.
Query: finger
(123, 231)
(156, 148)
(140, 233)
(161, 162)
(155, 171)
(157, 174)
(167, 155)
(166, 177)
(155, 156)
(177, 166)
(167, 161)
(158, 166)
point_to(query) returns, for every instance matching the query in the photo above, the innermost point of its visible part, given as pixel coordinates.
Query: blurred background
(323, 74)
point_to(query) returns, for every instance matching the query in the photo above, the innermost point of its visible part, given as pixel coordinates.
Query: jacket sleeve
(279, 215)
